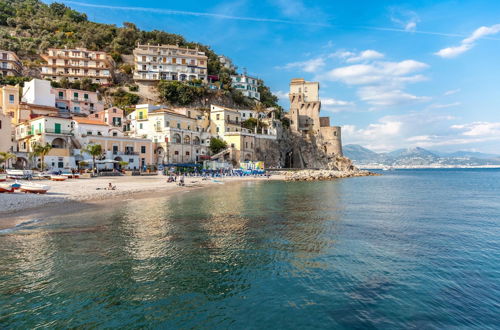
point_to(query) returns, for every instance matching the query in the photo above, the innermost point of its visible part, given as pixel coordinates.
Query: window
(61, 95)
(115, 134)
(86, 96)
(114, 110)
(167, 124)
(0, 124)
(140, 126)
(75, 96)
(130, 160)
(178, 124)
(143, 149)
(187, 153)
(11, 98)
(217, 117)
(217, 129)
(89, 133)
(246, 144)
(176, 153)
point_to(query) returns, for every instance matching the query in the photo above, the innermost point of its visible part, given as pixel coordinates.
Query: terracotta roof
(89, 121)
(169, 111)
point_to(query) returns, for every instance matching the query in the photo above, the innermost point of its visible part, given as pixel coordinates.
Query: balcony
(54, 131)
(126, 153)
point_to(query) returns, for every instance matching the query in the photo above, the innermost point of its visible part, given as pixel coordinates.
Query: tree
(5, 157)
(41, 151)
(217, 145)
(259, 109)
(94, 150)
(250, 124)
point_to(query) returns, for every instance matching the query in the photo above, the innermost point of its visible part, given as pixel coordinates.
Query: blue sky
(393, 74)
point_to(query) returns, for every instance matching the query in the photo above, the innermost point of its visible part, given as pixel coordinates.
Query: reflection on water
(393, 251)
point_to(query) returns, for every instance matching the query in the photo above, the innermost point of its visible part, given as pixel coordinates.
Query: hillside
(29, 27)
(417, 157)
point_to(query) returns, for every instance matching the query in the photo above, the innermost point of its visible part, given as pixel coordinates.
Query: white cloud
(311, 66)
(334, 102)
(451, 92)
(382, 96)
(484, 129)
(368, 54)
(381, 83)
(468, 42)
(281, 95)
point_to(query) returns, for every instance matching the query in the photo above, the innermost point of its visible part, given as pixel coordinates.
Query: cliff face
(292, 150)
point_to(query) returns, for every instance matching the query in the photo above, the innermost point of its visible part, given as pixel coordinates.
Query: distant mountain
(417, 157)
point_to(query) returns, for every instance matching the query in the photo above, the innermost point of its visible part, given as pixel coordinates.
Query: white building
(169, 62)
(38, 92)
(247, 85)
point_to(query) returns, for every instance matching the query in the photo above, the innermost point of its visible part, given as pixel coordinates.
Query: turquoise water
(410, 249)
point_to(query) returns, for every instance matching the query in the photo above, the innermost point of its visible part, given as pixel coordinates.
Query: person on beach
(111, 187)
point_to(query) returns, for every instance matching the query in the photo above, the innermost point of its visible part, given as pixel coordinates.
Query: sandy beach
(89, 191)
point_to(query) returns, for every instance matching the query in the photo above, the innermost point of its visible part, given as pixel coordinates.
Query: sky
(393, 74)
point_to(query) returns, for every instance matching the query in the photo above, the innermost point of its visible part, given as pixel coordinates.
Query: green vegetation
(12, 80)
(94, 150)
(217, 145)
(122, 98)
(41, 151)
(30, 27)
(176, 92)
(5, 157)
(84, 84)
(250, 124)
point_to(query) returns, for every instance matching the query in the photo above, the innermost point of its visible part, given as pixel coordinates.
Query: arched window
(187, 139)
(177, 138)
(196, 140)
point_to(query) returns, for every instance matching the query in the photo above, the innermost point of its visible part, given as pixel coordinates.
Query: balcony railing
(126, 153)
(54, 131)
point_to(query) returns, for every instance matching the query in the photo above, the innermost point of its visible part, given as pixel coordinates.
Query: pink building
(77, 101)
(113, 116)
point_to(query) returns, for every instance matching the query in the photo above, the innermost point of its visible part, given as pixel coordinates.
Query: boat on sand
(34, 188)
(6, 188)
(3, 177)
(58, 177)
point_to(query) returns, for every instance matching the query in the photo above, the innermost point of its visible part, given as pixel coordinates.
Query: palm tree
(259, 108)
(42, 151)
(5, 157)
(95, 150)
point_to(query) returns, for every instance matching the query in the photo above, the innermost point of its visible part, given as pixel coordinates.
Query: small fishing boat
(34, 188)
(6, 188)
(16, 185)
(3, 177)
(58, 178)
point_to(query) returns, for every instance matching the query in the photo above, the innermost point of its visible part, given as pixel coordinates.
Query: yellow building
(224, 120)
(9, 99)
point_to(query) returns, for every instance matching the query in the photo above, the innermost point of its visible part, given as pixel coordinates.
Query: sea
(416, 249)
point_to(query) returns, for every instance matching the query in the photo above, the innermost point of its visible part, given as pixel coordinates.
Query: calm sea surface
(410, 249)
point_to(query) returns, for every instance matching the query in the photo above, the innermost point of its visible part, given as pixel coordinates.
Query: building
(38, 92)
(177, 138)
(6, 144)
(9, 99)
(77, 102)
(246, 84)
(10, 64)
(224, 120)
(227, 63)
(169, 62)
(304, 116)
(113, 116)
(77, 64)
(68, 136)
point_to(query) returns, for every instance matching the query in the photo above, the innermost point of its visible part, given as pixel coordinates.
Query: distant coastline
(414, 167)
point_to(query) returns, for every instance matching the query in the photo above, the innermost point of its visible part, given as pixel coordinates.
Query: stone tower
(304, 116)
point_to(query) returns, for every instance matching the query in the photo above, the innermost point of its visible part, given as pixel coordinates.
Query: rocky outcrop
(322, 175)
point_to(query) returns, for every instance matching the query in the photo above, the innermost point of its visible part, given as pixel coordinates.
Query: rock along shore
(322, 175)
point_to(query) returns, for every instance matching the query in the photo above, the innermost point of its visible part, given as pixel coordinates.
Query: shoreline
(73, 195)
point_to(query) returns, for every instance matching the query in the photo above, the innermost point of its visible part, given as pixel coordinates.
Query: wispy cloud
(310, 66)
(444, 106)
(194, 13)
(469, 42)
(451, 92)
(408, 19)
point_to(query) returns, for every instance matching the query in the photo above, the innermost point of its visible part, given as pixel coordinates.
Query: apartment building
(77, 64)
(77, 101)
(247, 85)
(224, 120)
(227, 63)
(68, 136)
(169, 62)
(177, 138)
(10, 64)
(9, 99)
(113, 116)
